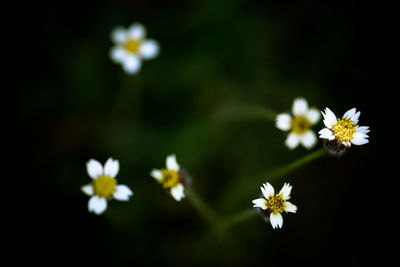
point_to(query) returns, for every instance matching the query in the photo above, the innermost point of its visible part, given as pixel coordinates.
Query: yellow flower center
(276, 203)
(344, 129)
(300, 124)
(104, 186)
(170, 178)
(132, 45)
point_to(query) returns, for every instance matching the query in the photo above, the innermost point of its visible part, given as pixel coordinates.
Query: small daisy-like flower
(104, 186)
(344, 131)
(171, 178)
(131, 47)
(275, 204)
(299, 124)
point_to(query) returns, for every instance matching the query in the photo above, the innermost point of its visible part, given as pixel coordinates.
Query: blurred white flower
(345, 130)
(171, 178)
(299, 124)
(104, 185)
(131, 47)
(275, 204)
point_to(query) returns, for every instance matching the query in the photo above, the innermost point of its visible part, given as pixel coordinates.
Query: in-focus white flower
(104, 185)
(275, 204)
(171, 178)
(344, 131)
(299, 124)
(131, 47)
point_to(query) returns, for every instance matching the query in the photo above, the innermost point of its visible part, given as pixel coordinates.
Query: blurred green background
(223, 65)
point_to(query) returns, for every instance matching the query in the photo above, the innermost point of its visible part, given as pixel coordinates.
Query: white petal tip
(122, 193)
(171, 163)
(178, 192)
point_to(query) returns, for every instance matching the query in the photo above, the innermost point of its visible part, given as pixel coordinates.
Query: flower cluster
(340, 133)
(131, 47)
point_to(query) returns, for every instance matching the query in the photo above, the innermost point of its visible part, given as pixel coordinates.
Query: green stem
(205, 211)
(239, 217)
(242, 186)
(221, 225)
(259, 112)
(295, 164)
(241, 111)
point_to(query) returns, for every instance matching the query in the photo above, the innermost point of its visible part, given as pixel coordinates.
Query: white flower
(345, 131)
(104, 186)
(171, 178)
(131, 46)
(299, 124)
(275, 204)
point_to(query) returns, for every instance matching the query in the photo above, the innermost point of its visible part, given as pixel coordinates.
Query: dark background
(218, 58)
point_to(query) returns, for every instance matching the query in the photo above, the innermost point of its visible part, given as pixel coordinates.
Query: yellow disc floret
(276, 203)
(344, 129)
(170, 178)
(104, 186)
(132, 45)
(300, 124)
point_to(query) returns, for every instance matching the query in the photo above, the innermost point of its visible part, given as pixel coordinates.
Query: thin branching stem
(241, 187)
(219, 224)
(242, 111)
(203, 208)
(239, 217)
(285, 169)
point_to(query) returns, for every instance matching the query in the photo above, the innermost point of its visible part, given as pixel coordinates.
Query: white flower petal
(178, 192)
(360, 142)
(88, 189)
(360, 135)
(171, 163)
(264, 192)
(285, 191)
(308, 139)
(131, 64)
(136, 31)
(111, 168)
(346, 143)
(292, 140)
(118, 54)
(276, 220)
(122, 192)
(313, 115)
(283, 121)
(350, 113)
(355, 117)
(267, 190)
(329, 118)
(260, 203)
(359, 138)
(289, 207)
(156, 174)
(118, 35)
(326, 134)
(97, 204)
(149, 49)
(94, 168)
(363, 129)
(300, 106)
